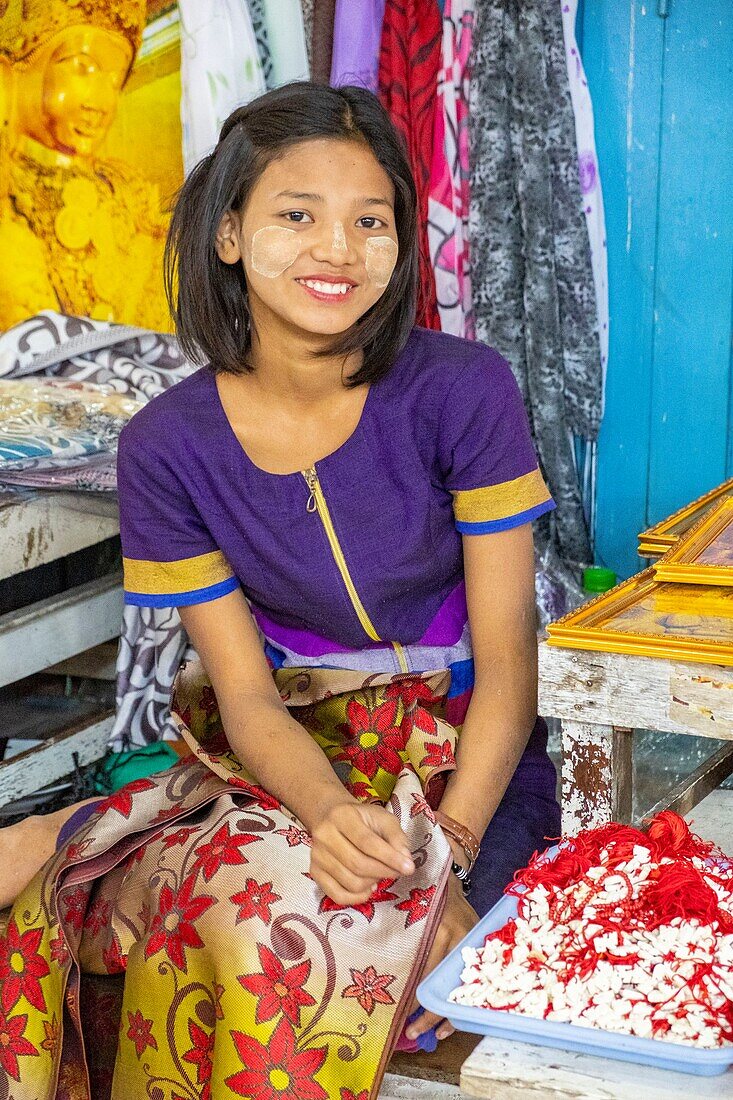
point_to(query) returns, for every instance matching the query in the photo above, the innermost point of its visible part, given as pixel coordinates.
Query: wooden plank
(42, 530)
(622, 55)
(622, 774)
(410, 1088)
(587, 771)
(40, 766)
(619, 689)
(691, 363)
(51, 630)
(686, 794)
(509, 1070)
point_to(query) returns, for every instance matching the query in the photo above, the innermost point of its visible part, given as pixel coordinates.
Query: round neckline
(234, 439)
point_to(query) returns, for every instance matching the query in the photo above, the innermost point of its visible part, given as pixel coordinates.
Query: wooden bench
(51, 630)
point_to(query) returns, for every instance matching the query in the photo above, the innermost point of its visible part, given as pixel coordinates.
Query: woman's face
(322, 212)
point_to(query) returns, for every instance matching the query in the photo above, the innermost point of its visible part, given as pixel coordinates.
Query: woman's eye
(371, 218)
(297, 215)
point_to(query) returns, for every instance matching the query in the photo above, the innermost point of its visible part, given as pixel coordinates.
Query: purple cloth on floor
(428, 1041)
(77, 819)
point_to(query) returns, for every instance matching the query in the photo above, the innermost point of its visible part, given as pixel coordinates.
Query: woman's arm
(499, 572)
(354, 844)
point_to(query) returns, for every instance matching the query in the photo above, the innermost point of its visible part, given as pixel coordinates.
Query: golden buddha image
(80, 232)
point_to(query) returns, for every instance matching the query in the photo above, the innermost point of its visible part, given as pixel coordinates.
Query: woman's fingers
(330, 864)
(333, 889)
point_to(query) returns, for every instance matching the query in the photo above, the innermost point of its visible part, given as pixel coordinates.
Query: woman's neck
(286, 368)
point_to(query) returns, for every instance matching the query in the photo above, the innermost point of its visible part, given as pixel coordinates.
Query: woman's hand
(458, 920)
(354, 846)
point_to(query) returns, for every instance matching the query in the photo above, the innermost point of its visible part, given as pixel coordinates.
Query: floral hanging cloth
(448, 202)
(177, 947)
(409, 63)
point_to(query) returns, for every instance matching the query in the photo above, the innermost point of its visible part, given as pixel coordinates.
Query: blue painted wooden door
(663, 99)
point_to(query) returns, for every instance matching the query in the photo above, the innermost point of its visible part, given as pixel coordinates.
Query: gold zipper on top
(317, 503)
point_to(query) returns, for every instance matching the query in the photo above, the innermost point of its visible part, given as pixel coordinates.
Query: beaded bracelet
(462, 875)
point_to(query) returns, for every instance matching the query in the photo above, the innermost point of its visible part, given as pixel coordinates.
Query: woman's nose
(333, 244)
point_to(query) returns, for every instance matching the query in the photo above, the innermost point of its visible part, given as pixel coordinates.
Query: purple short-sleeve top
(358, 562)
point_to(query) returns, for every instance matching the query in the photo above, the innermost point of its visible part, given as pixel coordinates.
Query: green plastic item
(597, 579)
(123, 767)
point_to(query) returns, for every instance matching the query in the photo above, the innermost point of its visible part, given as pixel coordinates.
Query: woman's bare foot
(25, 847)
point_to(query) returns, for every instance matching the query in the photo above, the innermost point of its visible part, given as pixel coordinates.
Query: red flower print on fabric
(59, 950)
(122, 800)
(410, 692)
(278, 1070)
(165, 815)
(224, 848)
(264, 800)
(361, 791)
(140, 1033)
(97, 916)
(371, 738)
(347, 1094)
(208, 702)
(113, 959)
(370, 988)
(76, 907)
(13, 1043)
(74, 851)
(172, 928)
(255, 901)
(295, 836)
(278, 989)
(366, 908)
(438, 756)
(420, 806)
(180, 836)
(200, 1056)
(21, 968)
(417, 905)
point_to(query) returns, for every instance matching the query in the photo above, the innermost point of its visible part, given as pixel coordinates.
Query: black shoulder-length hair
(208, 298)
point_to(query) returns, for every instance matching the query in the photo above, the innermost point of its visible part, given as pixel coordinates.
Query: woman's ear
(227, 239)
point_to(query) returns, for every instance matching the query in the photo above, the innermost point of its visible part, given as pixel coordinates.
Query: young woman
(339, 503)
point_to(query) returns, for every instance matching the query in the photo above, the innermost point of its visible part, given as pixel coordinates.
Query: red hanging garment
(409, 62)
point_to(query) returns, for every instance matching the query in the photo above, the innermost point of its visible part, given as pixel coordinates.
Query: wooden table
(601, 698)
(515, 1071)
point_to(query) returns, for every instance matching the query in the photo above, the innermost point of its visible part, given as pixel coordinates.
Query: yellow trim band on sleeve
(495, 502)
(157, 578)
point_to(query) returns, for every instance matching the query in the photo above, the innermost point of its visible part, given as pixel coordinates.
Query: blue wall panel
(663, 98)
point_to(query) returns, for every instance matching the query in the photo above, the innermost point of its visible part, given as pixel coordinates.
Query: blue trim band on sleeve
(491, 525)
(183, 599)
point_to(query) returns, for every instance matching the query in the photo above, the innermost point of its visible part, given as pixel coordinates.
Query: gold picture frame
(653, 618)
(663, 536)
(705, 555)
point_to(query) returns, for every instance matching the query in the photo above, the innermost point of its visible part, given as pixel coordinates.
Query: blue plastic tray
(432, 993)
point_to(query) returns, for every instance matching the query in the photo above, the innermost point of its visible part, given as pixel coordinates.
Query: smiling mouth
(327, 292)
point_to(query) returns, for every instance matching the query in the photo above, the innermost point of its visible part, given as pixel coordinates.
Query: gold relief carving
(79, 232)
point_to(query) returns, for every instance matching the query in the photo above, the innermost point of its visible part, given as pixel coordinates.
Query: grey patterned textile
(257, 15)
(531, 270)
(141, 364)
(308, 7)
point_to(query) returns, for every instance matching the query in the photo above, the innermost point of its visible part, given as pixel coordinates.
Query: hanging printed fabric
(448, 203)
(286, 36)
(257, 15)
(590, 182)
(357, 34)
(409, 62)
(220, 70)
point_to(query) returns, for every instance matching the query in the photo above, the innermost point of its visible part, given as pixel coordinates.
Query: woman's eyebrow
(310, 196)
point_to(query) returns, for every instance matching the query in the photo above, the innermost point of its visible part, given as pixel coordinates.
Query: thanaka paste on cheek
(273, 250)
(381, 258)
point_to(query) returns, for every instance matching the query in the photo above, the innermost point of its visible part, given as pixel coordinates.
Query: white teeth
(327, 288)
